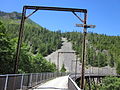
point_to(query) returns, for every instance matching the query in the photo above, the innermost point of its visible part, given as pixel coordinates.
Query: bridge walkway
(59, 83)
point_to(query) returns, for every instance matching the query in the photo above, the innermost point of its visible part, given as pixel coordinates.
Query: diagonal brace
(78, 17)
(31, 14)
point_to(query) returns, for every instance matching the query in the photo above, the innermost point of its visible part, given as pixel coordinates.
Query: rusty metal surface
(78, 17)
(84, 52)
(19, 40)
(53, 9)
(56, 9)
(86, 26)
(31, 14)
(25, 17)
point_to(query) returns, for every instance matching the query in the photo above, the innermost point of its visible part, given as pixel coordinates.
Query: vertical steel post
(6, 82)
(72, 65)
(36, 78)
(76, 68)
(30, 81)
(21, 86)
(84, 52)
(58, 64)
(19, 40)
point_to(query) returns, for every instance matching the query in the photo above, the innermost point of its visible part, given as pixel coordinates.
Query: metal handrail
(25, 81)
(72, 84)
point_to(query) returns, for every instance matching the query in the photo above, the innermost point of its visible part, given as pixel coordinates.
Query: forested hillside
(37, 43)
(102, 50)
(40, 39)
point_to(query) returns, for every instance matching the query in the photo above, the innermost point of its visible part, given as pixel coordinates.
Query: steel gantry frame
(36, 8)
(84, 48)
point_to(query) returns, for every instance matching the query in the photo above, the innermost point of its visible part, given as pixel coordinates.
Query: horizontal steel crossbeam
(56, 9)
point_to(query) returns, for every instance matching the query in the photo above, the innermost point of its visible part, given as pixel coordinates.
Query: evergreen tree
(63, 69)
(6, 52)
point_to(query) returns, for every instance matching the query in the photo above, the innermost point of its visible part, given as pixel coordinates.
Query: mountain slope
(37, 42)
(67, 58)
(40, 39)
(102, 50)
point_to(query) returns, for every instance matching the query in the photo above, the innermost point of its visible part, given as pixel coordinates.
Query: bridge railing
(72, 84)
(25, 81)
(101, 73)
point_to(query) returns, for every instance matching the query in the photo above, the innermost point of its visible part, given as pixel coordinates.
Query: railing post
(36, 78)
(21, 85)
(30, 80)
(39, 77)
(6, 82)
(46, 74)
(42, 76)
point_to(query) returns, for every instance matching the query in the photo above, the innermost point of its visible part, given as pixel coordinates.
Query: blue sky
(105, 14)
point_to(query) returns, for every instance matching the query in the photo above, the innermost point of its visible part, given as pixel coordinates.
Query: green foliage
(37, 42)
(25, 61)
(102, 50)
(102, 60)
(63, 69)
(41, 65)
(118, 65)
(110, 83)
(40, 39)
(6, 51)
(34, 63)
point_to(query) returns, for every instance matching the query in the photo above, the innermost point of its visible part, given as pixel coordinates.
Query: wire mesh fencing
(25, 81)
